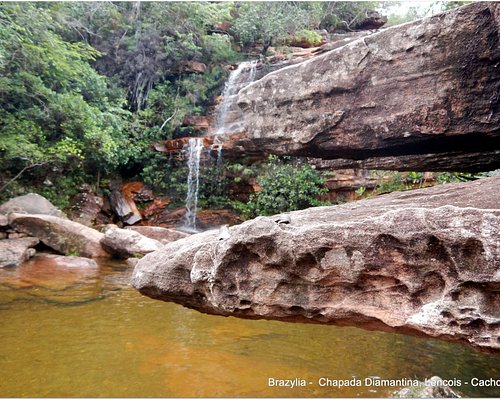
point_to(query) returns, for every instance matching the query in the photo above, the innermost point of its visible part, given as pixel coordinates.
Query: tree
(55, 110)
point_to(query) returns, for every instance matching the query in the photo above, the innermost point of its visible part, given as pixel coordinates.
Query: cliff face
(424, 262)
(420, 96)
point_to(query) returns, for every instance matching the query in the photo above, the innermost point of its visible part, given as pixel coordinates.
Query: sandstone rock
(163, 235)
(426, 90)
(123, 205)
(124, 243)
(424, 262)
(433, 388)
(3, 221)
(17, 235)
(60, 234)
(371, 20)
(75, 262)
(205, 219)
(14, 252)
(194, 66)
(30, 203)
(197, 123)
(86, 207)
(137, 191)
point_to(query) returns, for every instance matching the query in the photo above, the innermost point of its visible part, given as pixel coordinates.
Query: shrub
(286, 185)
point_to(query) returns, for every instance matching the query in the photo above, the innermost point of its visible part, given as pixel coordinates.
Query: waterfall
(238, 79)
(195, 146)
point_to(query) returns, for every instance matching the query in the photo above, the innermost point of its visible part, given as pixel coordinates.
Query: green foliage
(286, 185)
(449, 177)
(340, 15)
(308, 36)
(267, 22)
(55, 108)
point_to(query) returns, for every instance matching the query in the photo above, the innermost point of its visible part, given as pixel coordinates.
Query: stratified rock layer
(424, 262)
(420, 96)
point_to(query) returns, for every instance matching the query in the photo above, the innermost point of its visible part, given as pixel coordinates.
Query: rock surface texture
(424, 262)
(13, 252)
(61, 234)
(125, 243)
(420, 96)
(163, 235)
(30, 203)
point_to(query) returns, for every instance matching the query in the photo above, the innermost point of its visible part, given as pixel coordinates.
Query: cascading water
(238, 79)
(195, 146)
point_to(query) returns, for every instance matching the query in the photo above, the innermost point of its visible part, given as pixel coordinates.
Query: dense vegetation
(86, 87)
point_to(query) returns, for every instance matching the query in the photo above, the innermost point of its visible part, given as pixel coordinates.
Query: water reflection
(87, 333)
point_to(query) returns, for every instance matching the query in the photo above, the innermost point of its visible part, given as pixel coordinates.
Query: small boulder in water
(125, 243)
(14, 252)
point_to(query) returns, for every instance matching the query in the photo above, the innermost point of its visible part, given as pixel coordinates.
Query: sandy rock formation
(423, 262)
(61, 234)
(424, 93)
(125, 243)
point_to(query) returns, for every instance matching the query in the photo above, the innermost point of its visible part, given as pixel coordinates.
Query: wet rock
(69, 261)
(30, 203)
(65, 236)
(158, 233)
(424, 262)
(433, 388)
(14, 252)
(426, 90)
(125, 243)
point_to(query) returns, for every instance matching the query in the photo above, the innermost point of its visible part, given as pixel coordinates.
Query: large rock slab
(423, 262)
(13, 252)
(424, 93)
(30, 203)
(65, 236)
(125, 243)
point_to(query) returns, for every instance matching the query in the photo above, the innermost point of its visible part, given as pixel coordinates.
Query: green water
(73, 333)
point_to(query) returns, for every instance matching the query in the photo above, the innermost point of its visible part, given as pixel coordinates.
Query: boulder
(425, 91)
(75, 262)
(65, 236)
(371, 20)
(86, 207)
(30, 203)
(423, 262)
(163, 235)
(14, 252)
(125, 243)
